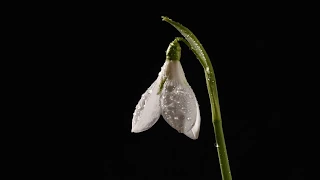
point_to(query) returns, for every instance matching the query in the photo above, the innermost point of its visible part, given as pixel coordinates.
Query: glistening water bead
(170, 88)
(208, 70)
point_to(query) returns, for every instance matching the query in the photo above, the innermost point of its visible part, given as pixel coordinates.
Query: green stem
(193, 43)
(217, 124)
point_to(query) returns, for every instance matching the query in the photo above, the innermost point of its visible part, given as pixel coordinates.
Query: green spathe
(173, 52)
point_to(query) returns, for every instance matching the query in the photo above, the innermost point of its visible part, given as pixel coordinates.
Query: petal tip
(136, 129)
(192, 135)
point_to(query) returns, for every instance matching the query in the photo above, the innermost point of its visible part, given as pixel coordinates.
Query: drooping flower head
(171, 96)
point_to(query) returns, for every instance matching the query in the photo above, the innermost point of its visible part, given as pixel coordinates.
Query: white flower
(172, 97)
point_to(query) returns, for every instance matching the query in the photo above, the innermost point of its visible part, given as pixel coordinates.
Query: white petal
(147, 111)
(178, 102)
(194, 132)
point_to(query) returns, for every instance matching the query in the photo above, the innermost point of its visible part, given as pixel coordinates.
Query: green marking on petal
(161, 84)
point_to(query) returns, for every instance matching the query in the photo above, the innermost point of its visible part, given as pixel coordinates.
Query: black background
(93, 62)
(249, 91)
(121, 55)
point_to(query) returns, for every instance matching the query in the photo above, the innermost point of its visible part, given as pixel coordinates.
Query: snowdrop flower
(171, 96)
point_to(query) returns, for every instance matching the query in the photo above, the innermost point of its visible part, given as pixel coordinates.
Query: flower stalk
(193, 43)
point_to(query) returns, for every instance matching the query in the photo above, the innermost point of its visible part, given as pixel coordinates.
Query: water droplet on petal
(181, 117)
(170, 108)
(170, 88)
